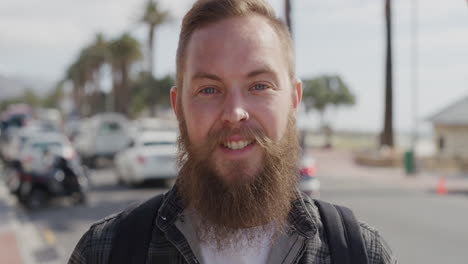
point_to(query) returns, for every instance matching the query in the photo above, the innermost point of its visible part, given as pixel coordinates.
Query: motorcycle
(60, 178)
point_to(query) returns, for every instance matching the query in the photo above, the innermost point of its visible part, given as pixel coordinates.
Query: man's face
(235, 78)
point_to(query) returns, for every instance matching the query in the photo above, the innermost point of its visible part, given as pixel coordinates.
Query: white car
(11, 150)
(151, 155)
(20, 138)
(102, 135)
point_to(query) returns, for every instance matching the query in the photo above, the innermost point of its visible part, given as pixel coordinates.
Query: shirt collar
(302, 217)
(171, 207)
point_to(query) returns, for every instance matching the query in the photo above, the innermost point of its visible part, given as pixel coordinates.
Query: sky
(40, 39)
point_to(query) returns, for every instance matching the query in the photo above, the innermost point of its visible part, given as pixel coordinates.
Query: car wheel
(37, 199)
(120, 181)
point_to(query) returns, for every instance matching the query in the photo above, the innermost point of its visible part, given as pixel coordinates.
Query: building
(451, 130)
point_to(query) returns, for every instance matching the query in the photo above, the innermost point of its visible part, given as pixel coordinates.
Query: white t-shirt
(243, 254)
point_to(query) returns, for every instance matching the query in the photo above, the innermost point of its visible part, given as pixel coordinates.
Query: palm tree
(85, 77)
(76, 73)
(387, 134)
(153, 17)
(124, 52)
(97, 54)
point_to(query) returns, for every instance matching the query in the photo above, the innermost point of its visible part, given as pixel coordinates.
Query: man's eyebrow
(263, 70)
(204, 75)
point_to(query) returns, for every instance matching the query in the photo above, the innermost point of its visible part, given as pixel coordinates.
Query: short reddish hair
(205, 12)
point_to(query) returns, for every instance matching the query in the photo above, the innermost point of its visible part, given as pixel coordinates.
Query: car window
(157, 143)
(110, 127)
(46, 146)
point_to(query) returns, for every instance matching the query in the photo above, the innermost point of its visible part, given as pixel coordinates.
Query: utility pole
(387, 134)
(412, 168)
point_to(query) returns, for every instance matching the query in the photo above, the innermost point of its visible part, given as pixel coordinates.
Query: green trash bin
(409, 162)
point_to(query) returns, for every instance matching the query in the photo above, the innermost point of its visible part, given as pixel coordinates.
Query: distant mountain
(12, 86)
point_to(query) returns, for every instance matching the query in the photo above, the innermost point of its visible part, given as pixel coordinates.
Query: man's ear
(297, 94)
(174, 94)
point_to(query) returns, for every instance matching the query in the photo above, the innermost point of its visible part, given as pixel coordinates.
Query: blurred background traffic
(87, 129)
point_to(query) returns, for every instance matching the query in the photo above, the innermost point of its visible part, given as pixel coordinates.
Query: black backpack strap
(345, 241)
(134, 231)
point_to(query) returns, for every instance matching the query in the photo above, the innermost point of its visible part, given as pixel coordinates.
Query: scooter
(61, 178)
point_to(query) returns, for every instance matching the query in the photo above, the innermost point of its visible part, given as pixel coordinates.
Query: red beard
(226, 208)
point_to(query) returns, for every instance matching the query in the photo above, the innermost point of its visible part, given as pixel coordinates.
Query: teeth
(235, 145)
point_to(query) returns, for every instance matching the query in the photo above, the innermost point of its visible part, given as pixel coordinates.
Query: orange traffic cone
(442, 186)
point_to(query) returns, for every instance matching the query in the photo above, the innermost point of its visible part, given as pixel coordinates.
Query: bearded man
(235, 198)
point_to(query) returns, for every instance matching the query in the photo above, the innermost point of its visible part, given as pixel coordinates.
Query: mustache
(256, 134)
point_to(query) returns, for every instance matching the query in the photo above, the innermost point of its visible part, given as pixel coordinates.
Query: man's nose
(235, 110)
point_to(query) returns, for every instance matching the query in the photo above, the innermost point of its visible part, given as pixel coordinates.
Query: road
(421, 227)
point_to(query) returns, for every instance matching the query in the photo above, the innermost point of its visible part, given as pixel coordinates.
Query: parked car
(151, 155)
(101, 136)
(11, 122)
(12, 150)
(309, 183)
(152, 124)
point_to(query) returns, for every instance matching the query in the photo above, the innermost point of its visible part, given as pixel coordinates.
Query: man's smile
(236, 145)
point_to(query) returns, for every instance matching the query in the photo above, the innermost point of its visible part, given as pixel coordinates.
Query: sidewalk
(339, 164)
(9, 250)
(20, 241)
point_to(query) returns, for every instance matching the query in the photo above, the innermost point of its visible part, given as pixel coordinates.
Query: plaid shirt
(168, 244)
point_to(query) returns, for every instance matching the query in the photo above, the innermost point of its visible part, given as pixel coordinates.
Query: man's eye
(260, 87)
(208, 90)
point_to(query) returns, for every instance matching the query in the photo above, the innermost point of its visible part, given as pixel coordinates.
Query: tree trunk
(387, 134)
(96, 92)
(152, 99)
(76, 98)
(150, 50)
(124, 89)
(115, 89)
(81, 99)
(287, 10)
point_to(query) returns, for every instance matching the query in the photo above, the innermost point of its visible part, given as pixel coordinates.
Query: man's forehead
(235, 29)
(246, 45)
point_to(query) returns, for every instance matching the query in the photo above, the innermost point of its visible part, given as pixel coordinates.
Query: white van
(102, 135)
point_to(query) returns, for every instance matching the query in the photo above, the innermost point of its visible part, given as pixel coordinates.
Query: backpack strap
(134, 231)
(345, 241)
